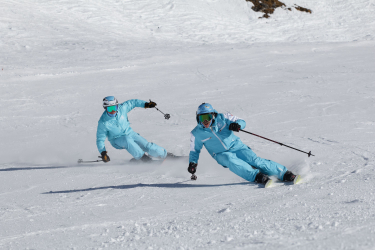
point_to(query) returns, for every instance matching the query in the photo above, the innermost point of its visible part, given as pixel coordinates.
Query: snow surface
(306, 80)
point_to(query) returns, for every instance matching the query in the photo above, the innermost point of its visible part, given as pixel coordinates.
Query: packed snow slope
(65, 36)
(304, 80)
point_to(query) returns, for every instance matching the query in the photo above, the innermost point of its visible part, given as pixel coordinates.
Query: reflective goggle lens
(205, 117)
(111, 108)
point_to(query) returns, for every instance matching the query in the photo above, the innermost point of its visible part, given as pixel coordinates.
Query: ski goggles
(111, 108)
(205, 117)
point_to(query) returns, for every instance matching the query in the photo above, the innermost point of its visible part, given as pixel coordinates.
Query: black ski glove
(150, 104)
(105, 157)
(235, 127)
(192, 167)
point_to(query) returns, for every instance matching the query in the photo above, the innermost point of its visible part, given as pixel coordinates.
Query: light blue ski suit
(229, 151)
(122, 136)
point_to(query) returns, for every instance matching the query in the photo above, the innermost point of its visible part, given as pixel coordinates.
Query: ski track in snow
(304, 80)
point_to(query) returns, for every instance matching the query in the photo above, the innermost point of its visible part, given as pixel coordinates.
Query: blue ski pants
(246, 164)
(136, 145)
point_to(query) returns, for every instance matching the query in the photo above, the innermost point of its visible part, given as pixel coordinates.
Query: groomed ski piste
(306, 80)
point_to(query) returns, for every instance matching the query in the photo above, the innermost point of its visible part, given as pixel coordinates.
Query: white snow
(306, 80)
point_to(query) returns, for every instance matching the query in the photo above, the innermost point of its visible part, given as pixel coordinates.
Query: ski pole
(166, 116)
(281, 144)
(81, 161)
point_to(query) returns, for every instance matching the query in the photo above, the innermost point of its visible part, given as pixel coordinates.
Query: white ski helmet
(109, 101)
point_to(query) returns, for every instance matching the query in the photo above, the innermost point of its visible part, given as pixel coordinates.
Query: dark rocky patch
(302, 9)
(269, 6)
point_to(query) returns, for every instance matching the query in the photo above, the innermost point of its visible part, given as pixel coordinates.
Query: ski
(297, 180)
(170, 157)
(268, 183)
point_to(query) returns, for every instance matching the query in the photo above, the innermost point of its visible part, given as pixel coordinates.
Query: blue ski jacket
(217, 138)
(114, 127)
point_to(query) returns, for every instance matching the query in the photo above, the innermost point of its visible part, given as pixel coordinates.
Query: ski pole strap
(281, 144)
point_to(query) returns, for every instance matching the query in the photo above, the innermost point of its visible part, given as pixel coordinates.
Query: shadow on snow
(51, 167)
(164, 185)
(31, 168)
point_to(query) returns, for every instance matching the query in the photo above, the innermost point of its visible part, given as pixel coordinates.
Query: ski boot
(170, 155)
(145, 158)
(289, 177)
(263, 179)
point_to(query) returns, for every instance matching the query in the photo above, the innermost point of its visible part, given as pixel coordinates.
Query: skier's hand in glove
(192, 167)
(150, 104)
(105, 157)
(235, 127)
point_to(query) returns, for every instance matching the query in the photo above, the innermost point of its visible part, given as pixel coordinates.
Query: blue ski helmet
(110, 101)
(204, 108)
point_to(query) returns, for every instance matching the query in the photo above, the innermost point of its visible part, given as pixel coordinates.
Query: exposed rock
(269, 6)
(302, 9)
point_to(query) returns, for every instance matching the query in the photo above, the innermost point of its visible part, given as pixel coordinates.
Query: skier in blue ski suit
(114, 125)
(215, 132)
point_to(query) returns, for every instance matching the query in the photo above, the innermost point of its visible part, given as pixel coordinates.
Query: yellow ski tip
(269, 183)
(298, 179)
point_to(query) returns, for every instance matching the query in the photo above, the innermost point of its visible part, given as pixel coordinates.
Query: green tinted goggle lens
(205, 117)
(111, 108)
